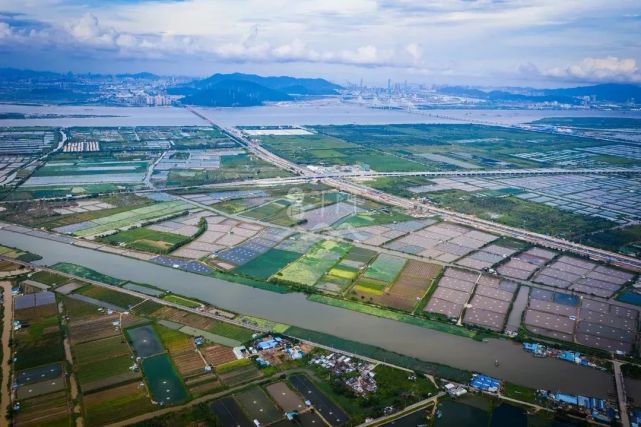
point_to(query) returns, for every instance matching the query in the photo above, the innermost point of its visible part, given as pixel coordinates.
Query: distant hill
(15, 74)
(612, 92)
(604, 92)
(242, 90)
(143, 76)
(234, 93)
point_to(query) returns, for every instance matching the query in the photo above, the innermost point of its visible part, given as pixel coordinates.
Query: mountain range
(238, 89)
(610, 92)
(243, 90)
(17, 74)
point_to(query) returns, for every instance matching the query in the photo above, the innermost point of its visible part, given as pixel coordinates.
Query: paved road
(486, 172)
(73, 384)
(621, 393)
(406, 411)
(7, 326)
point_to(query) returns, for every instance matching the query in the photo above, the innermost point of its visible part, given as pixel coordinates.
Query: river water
(516, 365)
(322, 112)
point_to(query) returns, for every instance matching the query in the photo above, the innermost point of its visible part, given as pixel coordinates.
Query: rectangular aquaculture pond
(165, 384)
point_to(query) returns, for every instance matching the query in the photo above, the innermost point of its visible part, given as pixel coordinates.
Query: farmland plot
(308, 269)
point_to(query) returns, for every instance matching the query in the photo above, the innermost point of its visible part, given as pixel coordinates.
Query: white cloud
(87, 29)
(373, 37)
(415, 52)
(592, 70)
(5, 30)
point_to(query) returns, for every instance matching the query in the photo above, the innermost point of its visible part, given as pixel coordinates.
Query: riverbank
(294, 309)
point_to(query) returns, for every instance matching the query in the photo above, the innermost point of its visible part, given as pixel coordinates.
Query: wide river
(321, 112)
(516, 365)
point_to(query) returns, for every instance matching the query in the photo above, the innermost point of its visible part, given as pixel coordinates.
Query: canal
(294, 309)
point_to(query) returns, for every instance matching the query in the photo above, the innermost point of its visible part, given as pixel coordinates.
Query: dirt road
(7, 325)
(73, 384)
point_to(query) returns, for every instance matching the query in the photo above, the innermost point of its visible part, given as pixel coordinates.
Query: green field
(478, 146)
(103, 369)
(39, 192)
(379, 217)
(524, 394)
(280, 212)
(395, 388)
(90, 167)
(341, 275)
(87, 273)
(147, 240)
(591, 122)
(319, 149)
(106, 348)
(398, 185)
(39, 344)
(147, 308)
(371, 287)
(308, 269)
(267, 264)
(50, 279)
(172, 339)
(77, 309)
(118, 299)
(626, 240)
(343, 271)
(18, 254)
(520, 213)
(231, 331)
(263, 324)
(233, 206)
(115, 404)
(362, 255)
(232, 168)
(385, 268)
(230, 366)
(182, 301)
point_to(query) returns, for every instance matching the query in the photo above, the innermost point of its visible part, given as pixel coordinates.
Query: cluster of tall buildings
(152, 100)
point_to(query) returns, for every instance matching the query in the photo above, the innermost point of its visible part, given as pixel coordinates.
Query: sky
(538, 43)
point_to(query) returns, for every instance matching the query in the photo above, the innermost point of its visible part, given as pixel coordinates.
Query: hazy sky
(484, 42)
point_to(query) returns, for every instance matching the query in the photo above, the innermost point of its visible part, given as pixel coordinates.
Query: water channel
(294, 309)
